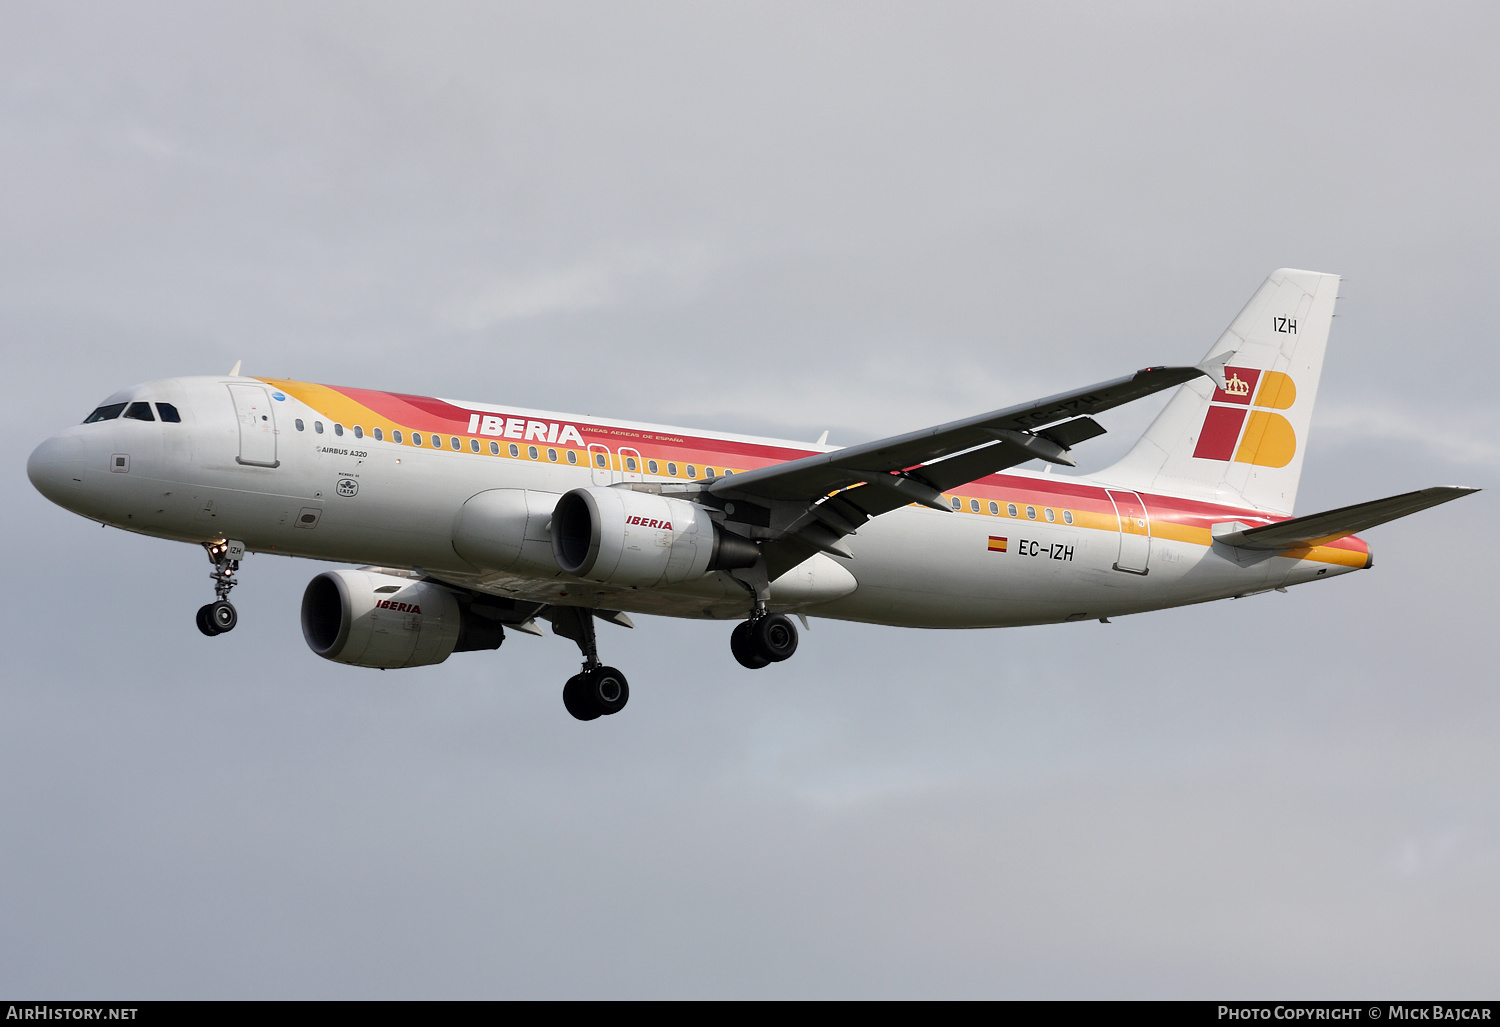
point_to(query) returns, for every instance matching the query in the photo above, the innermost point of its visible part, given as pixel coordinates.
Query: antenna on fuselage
(234, 372)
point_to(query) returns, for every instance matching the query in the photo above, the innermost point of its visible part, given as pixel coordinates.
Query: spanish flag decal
(997, 543)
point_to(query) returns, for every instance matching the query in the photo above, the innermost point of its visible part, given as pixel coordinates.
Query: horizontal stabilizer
(1321, 528)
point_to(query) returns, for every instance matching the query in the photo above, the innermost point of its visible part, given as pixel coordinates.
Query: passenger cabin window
(168, 413)
(338, 429)
(453, 442)
(318, 427)
(531, 452)
(298, 423)
(957, 503)
(395, 436)
(973, 506)
(671, 469)
(691, 472)
(140, 412)
(359, 432)
(994, 509)
(515, 450)
(416, 438)
(651, 466)
(379, 435)
(1010, 508)
(1031, 513)
(107, 412)
(1050, 515)
(473, 445)
(552, 455)
(708, 472)
(629, 462)
(494, 448)
(599, 459)
(1067, 516)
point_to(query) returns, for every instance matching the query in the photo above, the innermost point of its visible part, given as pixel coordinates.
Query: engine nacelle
(369, 619)
(624, 537)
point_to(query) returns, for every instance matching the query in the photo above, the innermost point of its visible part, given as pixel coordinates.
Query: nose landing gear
(220, 616)
(764, 639)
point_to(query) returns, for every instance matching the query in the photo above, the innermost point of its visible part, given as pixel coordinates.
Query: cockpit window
(108, 412)
(140, 412)
(169, 413)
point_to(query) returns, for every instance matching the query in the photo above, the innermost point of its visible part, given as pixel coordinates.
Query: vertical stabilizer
(1244, 444)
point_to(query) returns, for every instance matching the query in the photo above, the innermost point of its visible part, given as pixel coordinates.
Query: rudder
(1244, 444)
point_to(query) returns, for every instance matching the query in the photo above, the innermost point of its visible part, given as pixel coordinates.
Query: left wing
(816, 500)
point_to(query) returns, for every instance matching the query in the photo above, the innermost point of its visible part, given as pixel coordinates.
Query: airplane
(467, 519)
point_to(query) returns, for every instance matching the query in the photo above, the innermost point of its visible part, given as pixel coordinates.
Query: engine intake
(624, 537)
(369, 619)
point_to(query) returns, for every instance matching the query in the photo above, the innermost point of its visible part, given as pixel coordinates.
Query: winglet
(234, 372)
(1214, 368)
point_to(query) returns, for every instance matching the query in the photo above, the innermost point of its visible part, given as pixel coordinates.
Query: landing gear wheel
(608, 689)
(577, 701)
(774, 637)
(600, 692)
(744, 649)
(221, 615)
(204, 624)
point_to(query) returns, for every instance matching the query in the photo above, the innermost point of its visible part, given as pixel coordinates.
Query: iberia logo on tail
(1264, 438)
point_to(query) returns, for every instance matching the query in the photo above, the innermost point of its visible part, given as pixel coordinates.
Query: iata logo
(348, 487)
(386, 604)
(647, 522)
(1249, 436)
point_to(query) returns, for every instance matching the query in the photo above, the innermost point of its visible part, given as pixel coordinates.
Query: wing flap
(1321, 528)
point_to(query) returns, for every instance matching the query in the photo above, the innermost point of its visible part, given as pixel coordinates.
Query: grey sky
(771, 218)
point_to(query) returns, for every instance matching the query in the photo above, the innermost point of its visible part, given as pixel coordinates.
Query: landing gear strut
(220, 616)
(596, 691)
(764, 639)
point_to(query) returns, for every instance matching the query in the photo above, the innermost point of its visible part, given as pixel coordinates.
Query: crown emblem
(1237, 386)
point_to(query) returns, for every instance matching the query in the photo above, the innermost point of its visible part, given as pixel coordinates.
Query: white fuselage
(1085, 552)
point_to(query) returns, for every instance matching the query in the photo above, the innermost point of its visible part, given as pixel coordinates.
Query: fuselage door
(1135, 532)
(599, 465)
(630, 464)
(252, 406)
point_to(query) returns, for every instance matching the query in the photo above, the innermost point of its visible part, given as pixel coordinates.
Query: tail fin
(1244, 444)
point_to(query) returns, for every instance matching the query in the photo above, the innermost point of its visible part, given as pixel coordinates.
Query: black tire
(607, 690)
(744, 649)
(774, 637)
(204, 624)
(576, 699)
(222, 616)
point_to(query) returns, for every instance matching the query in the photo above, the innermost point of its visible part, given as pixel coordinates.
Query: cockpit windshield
(108, 412)
(140, 412)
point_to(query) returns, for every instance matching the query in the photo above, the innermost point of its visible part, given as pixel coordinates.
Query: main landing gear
(220, 616)
(763, 639)
(596, 691)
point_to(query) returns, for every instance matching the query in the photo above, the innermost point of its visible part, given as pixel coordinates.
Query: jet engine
(370, 619)
(624, 537)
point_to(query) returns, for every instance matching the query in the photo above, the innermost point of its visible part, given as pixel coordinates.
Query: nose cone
(56, 469)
